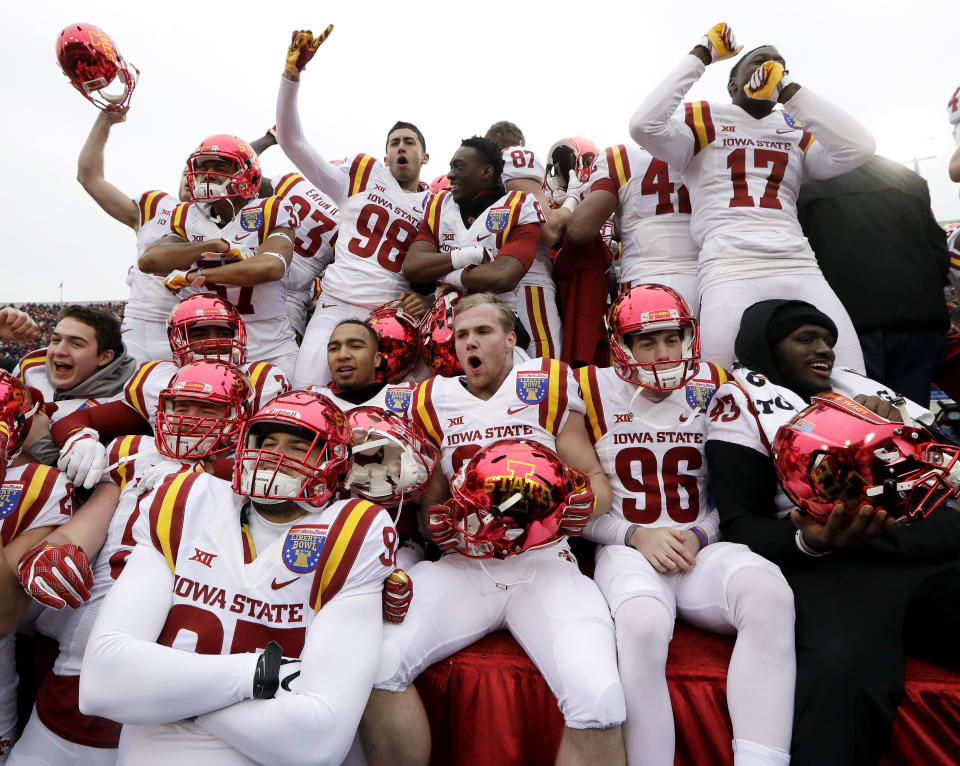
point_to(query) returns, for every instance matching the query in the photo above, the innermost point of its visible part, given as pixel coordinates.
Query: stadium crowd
(348, 423)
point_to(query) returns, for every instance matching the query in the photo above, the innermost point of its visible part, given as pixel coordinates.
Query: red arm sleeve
(425, 234)
(110, 420)
(522, 243)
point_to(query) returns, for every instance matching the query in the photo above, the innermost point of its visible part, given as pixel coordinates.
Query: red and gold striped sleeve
(618, 170)
(30, 361)
(28, 495)
(431, 215)
(178, 221)
(120, 450)
(133, 391)
(514, 202)
(423, 413)
(276, 215)
(698, 119)
(166, 514)
(590, 392)
(343, 543)
(149, 204)
(806, 140)
(287, 183)
(360, 170)
(554, 404)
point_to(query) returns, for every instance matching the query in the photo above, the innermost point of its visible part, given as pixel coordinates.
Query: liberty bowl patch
(10, 492)
(497, 218)
(398, 399)
(792, 122)
(532, 386)
(699, 395)
(303, 546)
(251, 220)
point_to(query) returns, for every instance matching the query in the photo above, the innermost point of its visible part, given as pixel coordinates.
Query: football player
(866, 591)
(203, 326)
(230, 241)
(201, 412)
(227, 585)
(660, 558)
(149, 303)
(85, 364)
(743, 163)
(477, 237)
(33, 500)
(458, 600)
(652, 212)
(380, 209)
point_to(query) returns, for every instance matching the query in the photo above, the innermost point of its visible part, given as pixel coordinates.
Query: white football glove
(467, 256)
(576, 191)
(157, 473)
(83, 458)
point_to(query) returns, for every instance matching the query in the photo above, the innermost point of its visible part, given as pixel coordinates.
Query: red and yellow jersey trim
(38, 483)
(618, 166)
(121, 448)
(133, 392)
(554, 404)
(272, 208)
(249, 549)
(340, 550)
(514, 201)
(360, 170)
(167, 512)
(806, 140)
(31, 360)
(698, 119)
(178, 221)
(537, 310)
(287, 183)
(590, 391)
(423, 412)
(148, 204)
(432, 210)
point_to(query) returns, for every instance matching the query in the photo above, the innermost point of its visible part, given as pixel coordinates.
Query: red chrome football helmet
(16, 416)
(649, 308)
(272, 475)
(576, 153)
(439, 184)
(399, 340)
(213, 386)
(206, 310)
(507, 499)
(242, 180)
(392, 460)
(437, 339)
(838, 451)
(92, 63)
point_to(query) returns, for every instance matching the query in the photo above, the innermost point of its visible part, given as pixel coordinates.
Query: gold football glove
(721, 43)
(767, 82)
(303, 46)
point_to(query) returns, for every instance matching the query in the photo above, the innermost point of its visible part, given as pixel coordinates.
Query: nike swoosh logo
(278, 585)
(327, 305)
(288, 681)
(483, 237)
(781, 132)
(514, 410)
(240, 237)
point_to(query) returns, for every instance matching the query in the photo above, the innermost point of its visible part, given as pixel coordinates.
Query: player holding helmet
(743, 164)
(380, 209)
(529, 592)
(866, 590)
(201, 413)
(646, 416)
(285, 571)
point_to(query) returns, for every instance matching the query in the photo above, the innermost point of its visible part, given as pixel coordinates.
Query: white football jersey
(519, 162)
(490, 230)
(653, 213)
(745, 175)
(142, 391)
(533, 402)
(263, 306)
(652, 452)
(149, 300)
(314, 238)
(378, 223)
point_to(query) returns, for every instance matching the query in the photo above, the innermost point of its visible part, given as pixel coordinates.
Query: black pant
(855, 623)
(904, 359)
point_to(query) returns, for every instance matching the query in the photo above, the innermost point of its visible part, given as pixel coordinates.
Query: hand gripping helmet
(207, 181)
(399, 340)
(16, 416)
(577, 154)
(392, 460)
(313, 475)
(225, 399)
(437, 340)
(507, 499)
(838, 451)
(201, 311)
(94, 66)
(648, 308)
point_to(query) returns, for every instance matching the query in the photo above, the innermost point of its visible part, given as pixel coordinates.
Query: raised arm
(842, 143)
(90, 172)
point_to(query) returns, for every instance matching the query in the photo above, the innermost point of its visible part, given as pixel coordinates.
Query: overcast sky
(556, 69)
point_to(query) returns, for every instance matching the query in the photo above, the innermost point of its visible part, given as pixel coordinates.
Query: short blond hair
(504, 313)
(505, 134)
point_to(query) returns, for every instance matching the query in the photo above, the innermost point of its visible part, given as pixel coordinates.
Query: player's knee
(644, 627)
(761, 600)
